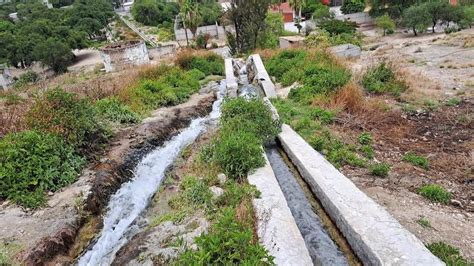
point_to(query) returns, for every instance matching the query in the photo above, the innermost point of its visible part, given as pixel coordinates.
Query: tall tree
(248, 19)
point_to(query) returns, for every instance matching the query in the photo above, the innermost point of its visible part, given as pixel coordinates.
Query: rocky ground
(437, 67)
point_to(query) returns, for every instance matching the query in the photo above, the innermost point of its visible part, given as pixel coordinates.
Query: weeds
(73, 118)
(454, 102)
(228, 242)
(8, 251)
(381, 79)
(33, 163)
(435, 193)
(114, 110)
(424, 222)
(416, 160)
(208, 62)
(448, 254)
(365, 138)
(380, 169)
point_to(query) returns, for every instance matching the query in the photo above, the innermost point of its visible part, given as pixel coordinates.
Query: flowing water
(132, 198)
(322, 249)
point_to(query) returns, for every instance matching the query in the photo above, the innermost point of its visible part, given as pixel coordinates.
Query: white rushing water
(133, 197)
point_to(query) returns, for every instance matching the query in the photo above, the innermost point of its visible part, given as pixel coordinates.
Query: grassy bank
(61, 130)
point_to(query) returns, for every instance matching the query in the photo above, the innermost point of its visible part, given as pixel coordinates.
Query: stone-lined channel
(325, 244)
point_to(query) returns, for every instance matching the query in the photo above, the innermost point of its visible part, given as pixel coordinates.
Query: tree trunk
(434, 25)
(186, 33)
(414, 31)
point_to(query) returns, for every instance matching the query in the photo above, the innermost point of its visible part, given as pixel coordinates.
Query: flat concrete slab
(276, 227)
(375, 236)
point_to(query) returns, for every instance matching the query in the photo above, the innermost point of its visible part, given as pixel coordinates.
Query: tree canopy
(49, 35)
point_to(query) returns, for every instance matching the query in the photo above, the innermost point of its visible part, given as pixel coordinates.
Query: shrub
(448, 254)
(352, 6)
(27, 78)
(115, 111)
(202, 40)
(380, 169)
(336, 27)
(435, 193)
(381, 79)
(195, 193)
(32, 163)
(416, 160)
(207, 62)
(386, 23)
(250, 115)
(228, 242)
(69, 116)
(238, 153)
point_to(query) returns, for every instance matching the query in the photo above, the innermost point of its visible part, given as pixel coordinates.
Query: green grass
(453, 102)
(435, 193)
(424, 222)
(365, 138)
(380, 169)
(448, 254)
(416, 160)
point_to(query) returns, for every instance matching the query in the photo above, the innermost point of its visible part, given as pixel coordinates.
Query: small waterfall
(132, 198)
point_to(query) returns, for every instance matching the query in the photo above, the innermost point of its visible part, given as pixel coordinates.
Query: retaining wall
(276, 227)
(119, 56)
(215, 31)
(375, 236)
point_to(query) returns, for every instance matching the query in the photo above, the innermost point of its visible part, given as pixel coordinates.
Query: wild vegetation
(235, 150)
(61, 129)
(448, 254)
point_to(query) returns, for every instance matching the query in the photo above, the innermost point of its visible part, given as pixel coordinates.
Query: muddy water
(133, 197)
(314, 229)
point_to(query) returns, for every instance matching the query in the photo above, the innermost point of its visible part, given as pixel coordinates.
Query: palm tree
(194, 19)
(297, 5)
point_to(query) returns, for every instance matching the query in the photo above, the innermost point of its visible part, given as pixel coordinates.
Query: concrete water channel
(308, 211)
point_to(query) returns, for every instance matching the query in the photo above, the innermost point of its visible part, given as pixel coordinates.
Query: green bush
(380, 169)
(336, 27)
(207, 62)
(435, 193)
(416, 160)
(386, 23)
(32, 163)
(448, 254)
(115, 111)
(250, 115)
(367, 151)
(238, 153)
(69, 116)
(381, 79)
(228, 242)
(352, 6)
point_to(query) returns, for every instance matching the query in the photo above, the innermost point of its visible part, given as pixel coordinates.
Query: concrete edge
(231, 80)
(375, 236)
(276, 227)
(262, 76)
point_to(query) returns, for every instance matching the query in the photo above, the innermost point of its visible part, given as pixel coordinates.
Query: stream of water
(126, 205)
(322, 249)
